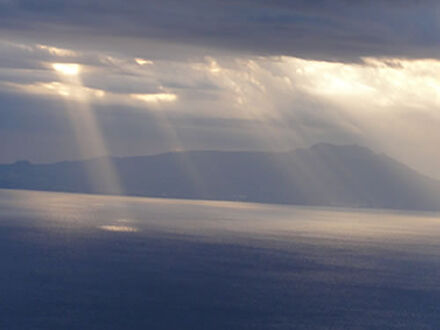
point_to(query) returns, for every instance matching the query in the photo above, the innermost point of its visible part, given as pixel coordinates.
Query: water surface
(73, 261)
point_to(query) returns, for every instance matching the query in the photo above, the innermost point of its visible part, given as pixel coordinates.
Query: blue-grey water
(93, 262)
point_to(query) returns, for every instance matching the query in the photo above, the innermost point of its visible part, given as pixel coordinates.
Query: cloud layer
(326, 29)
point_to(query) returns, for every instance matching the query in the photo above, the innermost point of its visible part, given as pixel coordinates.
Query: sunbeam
(90, 142)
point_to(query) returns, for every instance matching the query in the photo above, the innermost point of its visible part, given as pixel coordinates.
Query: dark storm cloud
(335, 30)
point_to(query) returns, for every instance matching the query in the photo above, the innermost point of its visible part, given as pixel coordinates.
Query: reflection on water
(126, 229)
(78, 261)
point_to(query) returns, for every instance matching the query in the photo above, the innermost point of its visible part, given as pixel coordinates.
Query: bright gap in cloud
(55, 51)
(155, 98)
(56, 88)
(142, 61)
(68, 69)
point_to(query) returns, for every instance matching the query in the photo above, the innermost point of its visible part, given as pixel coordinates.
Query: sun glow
(68, 69)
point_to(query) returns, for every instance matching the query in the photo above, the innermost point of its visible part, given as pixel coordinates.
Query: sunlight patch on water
(117, 228)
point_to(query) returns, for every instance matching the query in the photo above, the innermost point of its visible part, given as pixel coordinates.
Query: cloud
(337, 30)
(223, 75)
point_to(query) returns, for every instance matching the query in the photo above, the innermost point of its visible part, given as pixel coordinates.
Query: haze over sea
(72, 261)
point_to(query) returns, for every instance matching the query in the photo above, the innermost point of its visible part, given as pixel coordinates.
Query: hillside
(325, 175)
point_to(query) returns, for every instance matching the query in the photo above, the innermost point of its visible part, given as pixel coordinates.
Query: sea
(73, 261)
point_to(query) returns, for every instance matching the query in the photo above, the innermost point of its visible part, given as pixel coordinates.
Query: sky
(80, 79)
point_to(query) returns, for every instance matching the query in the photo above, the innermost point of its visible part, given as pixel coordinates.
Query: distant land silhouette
(322, 175)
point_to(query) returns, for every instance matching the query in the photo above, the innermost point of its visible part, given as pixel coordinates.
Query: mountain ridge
(322, 175)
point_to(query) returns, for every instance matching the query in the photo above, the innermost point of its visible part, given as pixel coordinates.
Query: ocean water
(71, 261)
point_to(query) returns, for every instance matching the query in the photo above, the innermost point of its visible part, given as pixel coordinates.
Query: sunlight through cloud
(57, 51)
(142, 61)
(68, 69)
(90, 140)
(155, 98)
(56, 88)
